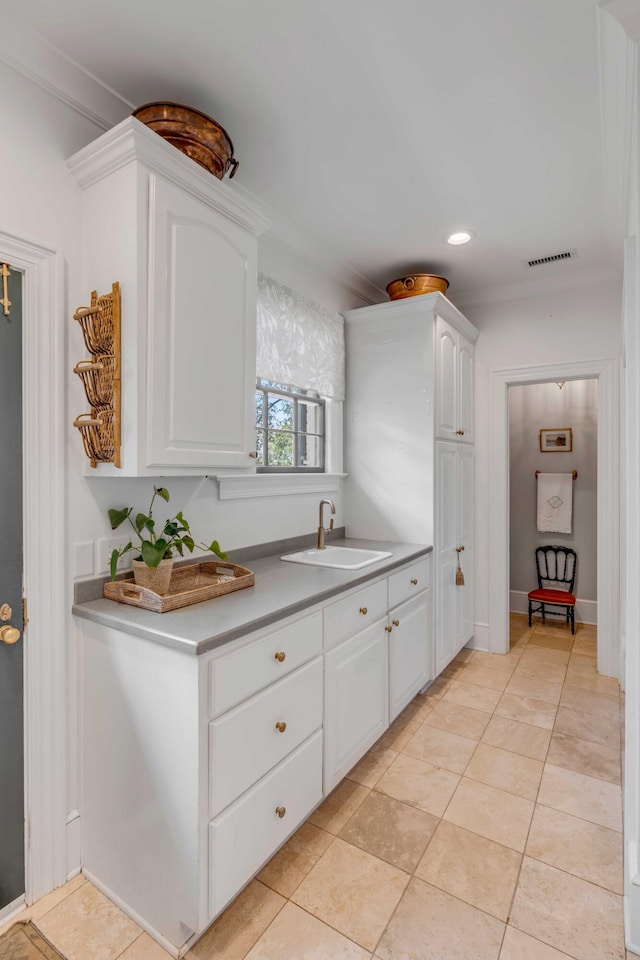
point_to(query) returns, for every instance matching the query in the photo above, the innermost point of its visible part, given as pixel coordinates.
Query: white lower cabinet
(247, 834)
(195, 770)
(356, 699)
(410, 651)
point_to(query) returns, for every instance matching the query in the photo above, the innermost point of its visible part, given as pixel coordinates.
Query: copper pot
(415, 285)
(193, 133)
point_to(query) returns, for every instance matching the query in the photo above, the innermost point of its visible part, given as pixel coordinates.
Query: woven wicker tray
(189, 584)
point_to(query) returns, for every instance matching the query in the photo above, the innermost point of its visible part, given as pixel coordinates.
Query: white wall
(562, 326)
(41, 202)
(531, 408)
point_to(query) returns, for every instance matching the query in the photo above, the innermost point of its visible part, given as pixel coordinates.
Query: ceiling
(377, 127)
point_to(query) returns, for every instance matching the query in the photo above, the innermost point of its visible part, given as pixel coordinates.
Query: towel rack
(574, 474)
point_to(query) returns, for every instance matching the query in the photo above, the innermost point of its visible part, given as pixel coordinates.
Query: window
(290, 431)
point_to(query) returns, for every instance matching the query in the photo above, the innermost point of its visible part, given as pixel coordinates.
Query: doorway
(607, 372)
(553, 429)
(12, 859)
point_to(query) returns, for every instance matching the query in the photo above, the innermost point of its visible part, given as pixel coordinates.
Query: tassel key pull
(459, 573)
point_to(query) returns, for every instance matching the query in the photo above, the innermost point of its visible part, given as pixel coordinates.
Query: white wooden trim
(253, 486)
(11, 910)
(586, 610)
(607, 372)
(480, 639)
(45, 578)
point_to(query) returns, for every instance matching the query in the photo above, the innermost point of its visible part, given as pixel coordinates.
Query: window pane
(260, 448)
(280, 450)
(279, 413)
(259, 409)
(309, 451)
(309, 417)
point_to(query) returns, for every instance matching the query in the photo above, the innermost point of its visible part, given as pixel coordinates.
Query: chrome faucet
(321, 529)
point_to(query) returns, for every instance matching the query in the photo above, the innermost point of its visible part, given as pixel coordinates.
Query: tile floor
(485, 824)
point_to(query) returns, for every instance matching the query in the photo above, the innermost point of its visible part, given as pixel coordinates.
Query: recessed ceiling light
(462, 236)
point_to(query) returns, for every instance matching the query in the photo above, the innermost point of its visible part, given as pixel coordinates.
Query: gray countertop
(281, 589)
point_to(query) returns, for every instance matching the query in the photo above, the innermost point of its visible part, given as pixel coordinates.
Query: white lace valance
(298, 341)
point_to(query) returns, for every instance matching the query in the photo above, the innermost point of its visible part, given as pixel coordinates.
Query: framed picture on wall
(556, 440)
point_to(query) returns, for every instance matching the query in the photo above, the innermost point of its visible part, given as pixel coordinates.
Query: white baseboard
(631, 945)
(12, 909)
(586, 610)
(74, 852)
(480, 638)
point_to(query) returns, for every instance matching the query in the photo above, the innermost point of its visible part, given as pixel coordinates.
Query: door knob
(9, 634)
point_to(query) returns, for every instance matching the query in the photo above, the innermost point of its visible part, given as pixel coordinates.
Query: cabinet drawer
(408, 582)
(237, 676)
(250, 831)
(246, 743)
(354, 613)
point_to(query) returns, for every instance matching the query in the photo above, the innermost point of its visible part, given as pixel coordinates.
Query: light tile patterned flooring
(485, 824)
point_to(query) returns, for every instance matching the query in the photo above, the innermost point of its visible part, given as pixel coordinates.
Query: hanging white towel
(555, 502)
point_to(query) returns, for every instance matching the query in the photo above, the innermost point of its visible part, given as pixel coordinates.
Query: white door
(465, 390)
(446, 371)
(356, 699)
(410, 651)
(12, 878)
(447, 539)
(201, 334)
(466, 594)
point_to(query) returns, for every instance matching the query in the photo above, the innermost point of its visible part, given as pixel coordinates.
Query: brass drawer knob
(415, 583)
(281, 726)
(363, 610)
(281, 811)
(460, 433)
(280, 655)
(388, 629)
(396, 623)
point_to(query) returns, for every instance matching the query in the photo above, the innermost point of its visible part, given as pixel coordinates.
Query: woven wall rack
(100, 375)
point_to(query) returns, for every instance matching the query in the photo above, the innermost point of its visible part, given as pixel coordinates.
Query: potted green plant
(152, 567)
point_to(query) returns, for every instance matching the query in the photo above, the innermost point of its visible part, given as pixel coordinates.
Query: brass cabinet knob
(460, 433)
(281, 726)
(9, 634)
(253, 454)
(396, 623)
(281, 811)
(388, 629)
(280, 655)
(363, 610)
(459, 549)
(415, 583)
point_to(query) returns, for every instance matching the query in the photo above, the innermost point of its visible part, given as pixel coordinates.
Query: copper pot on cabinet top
(193, 133)
(415, 285)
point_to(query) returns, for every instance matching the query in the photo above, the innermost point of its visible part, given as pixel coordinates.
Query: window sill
(256, 485)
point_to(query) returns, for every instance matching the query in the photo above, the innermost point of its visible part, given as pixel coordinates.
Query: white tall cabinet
(409, 444)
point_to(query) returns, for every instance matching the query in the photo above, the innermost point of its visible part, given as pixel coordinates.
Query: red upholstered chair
(556, 569)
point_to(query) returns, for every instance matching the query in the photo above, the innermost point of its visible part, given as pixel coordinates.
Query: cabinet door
(410, 651)
(465, 508)
(200, 334)
(356, 700)
(446, 363)
(465, 390)
(447, 619)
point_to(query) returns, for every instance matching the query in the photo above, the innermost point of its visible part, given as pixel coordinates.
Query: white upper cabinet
(183, 246)
(454, 384)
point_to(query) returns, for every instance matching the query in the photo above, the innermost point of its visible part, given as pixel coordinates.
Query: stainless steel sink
(341, 558)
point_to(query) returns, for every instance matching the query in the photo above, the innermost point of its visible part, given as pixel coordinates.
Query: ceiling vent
(553, 258)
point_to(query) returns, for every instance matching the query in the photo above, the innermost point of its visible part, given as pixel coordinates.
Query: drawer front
(356, 612)
(408, 582)
(250, 831)
(247, 742)
(237, 676)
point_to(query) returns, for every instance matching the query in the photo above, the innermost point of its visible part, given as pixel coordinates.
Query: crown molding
(28, 54)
